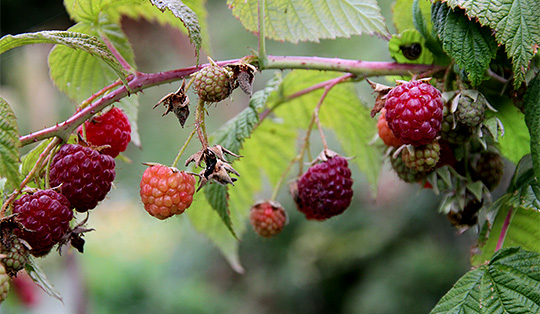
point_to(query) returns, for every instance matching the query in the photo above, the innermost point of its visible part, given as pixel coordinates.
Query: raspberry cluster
(83, 175)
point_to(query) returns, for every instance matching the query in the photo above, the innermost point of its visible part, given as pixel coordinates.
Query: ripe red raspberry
(213, 83)
(46, 214)
(16, 254)
(422, 158)
(325, 189)
(111, 128)
(165, 191)
(267, 218)
(83, 175)
(385, 133)
(414, 111)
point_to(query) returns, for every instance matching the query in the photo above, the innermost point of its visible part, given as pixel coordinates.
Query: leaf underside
(9, 144)
(312, 20)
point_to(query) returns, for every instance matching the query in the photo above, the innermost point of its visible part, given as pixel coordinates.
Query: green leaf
(466, 42)
(531, 101)
(515, 143)
(39, 278)
(9, 144)
(342, 112)
(80, 75)
(509, 283)
(186, 15)
(523, 175)
(402, 14)
(218, 198)
(29, 160)
(516, 24)
(311, 20)
(522, 231)
(78, 41)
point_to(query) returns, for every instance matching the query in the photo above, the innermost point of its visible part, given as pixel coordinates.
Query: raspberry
(471, 108)
(385, 133)
(453, 131)
(267, 218)
(489, 169)
(83, 175)
(422, 158)
(405, 173)
(111, 128)
(46, 215)
(213, 83)
(4, 284)
(414, 112)
(16, 255)
(165, 191)
(325, 189)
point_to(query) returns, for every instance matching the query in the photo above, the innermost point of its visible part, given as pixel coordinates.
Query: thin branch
(181, 151)
(116, 53)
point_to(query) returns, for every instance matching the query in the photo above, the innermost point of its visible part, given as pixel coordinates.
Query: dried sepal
(382, 91)
(242, 76)
(177, 102)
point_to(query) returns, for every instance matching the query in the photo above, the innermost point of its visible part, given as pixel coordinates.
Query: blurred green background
(384, 255)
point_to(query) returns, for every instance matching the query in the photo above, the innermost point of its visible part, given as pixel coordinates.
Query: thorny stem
(37, 167)
(116, 53)
(504, 230)
(141, 81)
(181, 151)
(200, 125)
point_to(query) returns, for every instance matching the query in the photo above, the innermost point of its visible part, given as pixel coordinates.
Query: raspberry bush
(462, 119)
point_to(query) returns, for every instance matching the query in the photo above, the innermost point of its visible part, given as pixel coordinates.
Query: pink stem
(115, 52)
(504, 230)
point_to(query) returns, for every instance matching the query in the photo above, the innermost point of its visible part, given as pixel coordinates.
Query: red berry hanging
(111, 128)
(325, 189)
(46, 214)
(267, 218)
(83, 175)
(165, 191)
(414, 111)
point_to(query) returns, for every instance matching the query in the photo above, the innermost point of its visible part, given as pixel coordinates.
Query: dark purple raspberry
(267, 218)
(111, 128)
(46, 214)
(489, 169)
(414, 112)
(325, 189)
(83, 175)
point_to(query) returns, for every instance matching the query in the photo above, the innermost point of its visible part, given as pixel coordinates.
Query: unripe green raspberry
(471, 108)
(422, 158)
(453, 131)
(16, 255)
(405, 173)
(213, 83)
(4, 284)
